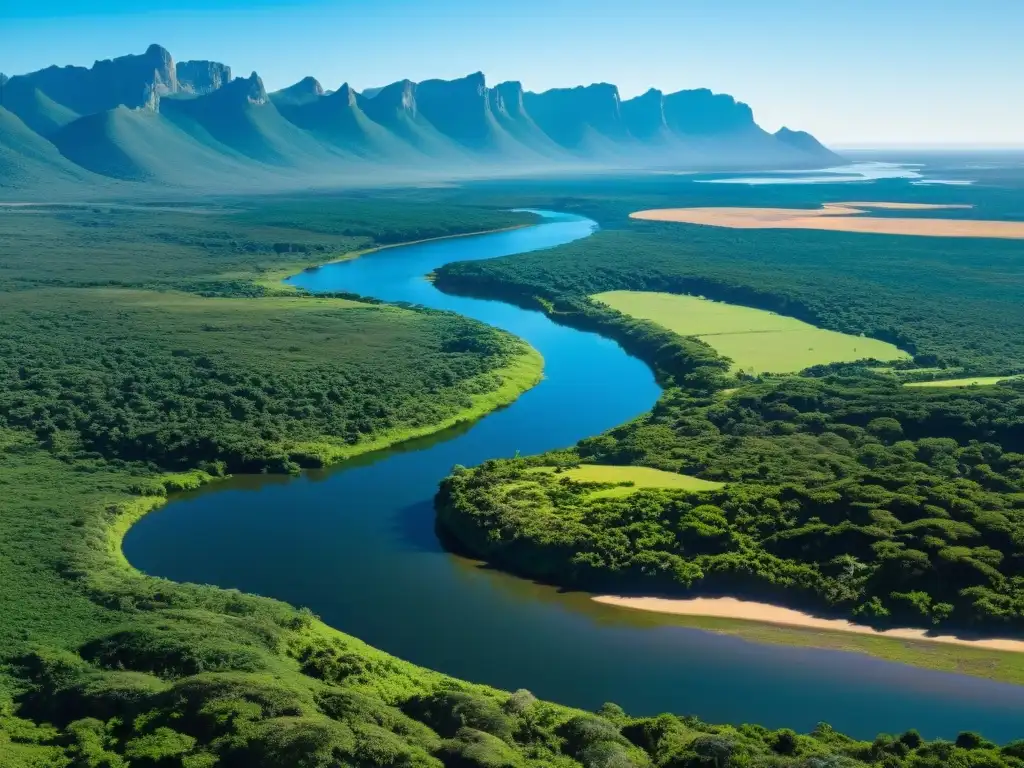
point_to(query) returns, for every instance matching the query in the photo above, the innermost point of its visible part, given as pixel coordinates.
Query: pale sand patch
(746, 610)
(902, 206)
(839, 217)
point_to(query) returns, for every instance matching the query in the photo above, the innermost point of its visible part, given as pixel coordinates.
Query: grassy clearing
(629, 479)
(982, 381)
(757, 341)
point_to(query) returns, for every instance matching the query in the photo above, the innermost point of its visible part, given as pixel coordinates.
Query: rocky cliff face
(132, 81)
(200, 77)
(459, 109)
(644, 116)
(147, 108)
(700, 112)
(571, 116)
(243, 90)
(506, 100)
(392, 102)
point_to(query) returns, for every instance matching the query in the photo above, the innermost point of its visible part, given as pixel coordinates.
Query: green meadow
(625, 479)
(755, 340)
(982, 381)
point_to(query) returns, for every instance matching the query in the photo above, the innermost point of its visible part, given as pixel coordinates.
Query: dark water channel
(356, 544)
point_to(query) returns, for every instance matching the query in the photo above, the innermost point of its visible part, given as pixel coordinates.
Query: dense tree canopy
(847, 494)
(177, 382)
(845, 491)
(103, 390)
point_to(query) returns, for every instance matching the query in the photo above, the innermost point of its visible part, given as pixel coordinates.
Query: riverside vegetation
(142, 355)
(844, 491)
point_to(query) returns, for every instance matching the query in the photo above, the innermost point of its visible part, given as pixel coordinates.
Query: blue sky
(872, 72)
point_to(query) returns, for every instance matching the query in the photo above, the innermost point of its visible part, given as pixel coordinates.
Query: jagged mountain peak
(248, 89)
(800, 140)
(460, 109)
(345, 94)
(134, 80)
(309, 85)
(577, 117)
(200, 77)
(650, 94)
(401, 94)
(701, 111)
(205, 113)
(155, 51)
(306, 90)
(473, 86)
(789, 132)
(644, 115)
(507, 98)
(595, 89)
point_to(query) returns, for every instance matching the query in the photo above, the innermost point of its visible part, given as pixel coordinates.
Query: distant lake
(357, 545)
(855, 172)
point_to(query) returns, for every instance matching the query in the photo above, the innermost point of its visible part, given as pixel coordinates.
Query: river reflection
(356, 544)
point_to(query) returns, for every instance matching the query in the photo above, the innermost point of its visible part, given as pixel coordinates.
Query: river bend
(356, 544)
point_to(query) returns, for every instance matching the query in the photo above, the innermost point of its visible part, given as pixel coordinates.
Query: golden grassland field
(981, 381)
(756, 340)
(842, 217)
(627, 479)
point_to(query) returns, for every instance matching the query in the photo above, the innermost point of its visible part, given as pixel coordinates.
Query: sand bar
(840, 217)
(746, 610)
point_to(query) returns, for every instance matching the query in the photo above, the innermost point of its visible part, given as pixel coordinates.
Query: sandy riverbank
(745, 610)
(840, 217)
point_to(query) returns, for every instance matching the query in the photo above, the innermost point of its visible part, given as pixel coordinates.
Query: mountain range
(148, 120)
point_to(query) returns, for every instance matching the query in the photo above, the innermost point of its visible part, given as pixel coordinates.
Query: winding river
(356, 544)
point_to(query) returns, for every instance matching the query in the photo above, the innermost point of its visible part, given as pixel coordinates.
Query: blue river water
(356, 544)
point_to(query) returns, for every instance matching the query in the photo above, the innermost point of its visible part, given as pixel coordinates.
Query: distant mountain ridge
(148, 119)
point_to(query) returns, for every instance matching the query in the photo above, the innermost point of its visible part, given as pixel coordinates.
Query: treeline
(232, 385)
(221, 246)
(383, 220)
(843, 495)
(951, 302)
(198, 700)
(845, 492)
(106, 667)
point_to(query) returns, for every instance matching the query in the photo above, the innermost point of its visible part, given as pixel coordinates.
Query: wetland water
(356, 544)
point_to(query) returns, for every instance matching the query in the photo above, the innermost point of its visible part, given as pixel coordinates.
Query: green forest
(951, 303)
(147, 350)
(845, 492)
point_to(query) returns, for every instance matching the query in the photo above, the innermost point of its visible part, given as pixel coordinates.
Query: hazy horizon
(911, 76)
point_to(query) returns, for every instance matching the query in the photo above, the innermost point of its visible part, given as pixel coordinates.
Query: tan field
(744, 610)
(839, 217)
